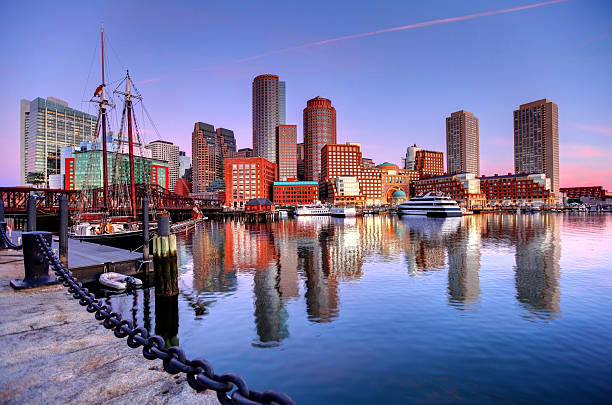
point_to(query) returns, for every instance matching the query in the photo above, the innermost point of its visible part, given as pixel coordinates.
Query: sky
(393, 70)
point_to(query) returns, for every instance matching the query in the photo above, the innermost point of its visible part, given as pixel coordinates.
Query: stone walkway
(53, 351)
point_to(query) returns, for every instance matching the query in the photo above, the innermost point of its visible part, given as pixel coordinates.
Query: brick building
(461, 187)
(248, 178)
(427, 163)
(517, 189)
(286, 151)
(293, 193)
(578, 192)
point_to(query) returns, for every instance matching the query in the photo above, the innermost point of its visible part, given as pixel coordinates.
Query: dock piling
(34, 263)
(145, 229)
(63, 230)
(31, 213)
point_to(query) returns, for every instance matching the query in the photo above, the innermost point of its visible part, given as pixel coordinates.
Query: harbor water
(492, 308)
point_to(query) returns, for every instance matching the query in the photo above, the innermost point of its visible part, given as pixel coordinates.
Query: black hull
(131, 240)
(442, 214)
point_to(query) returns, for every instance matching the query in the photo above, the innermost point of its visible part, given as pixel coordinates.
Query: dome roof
(386, 164)
(398, 194)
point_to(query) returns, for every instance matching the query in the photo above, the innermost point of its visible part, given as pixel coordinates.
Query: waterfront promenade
(55, 352)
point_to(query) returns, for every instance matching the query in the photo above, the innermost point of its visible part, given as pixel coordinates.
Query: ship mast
(128, 103)
(103, 104)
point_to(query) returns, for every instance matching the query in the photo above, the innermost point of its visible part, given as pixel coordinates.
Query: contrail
(405, 27)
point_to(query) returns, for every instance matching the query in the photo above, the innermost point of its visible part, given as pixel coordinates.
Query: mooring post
(63, 230)
(34, 263)
(31, 210)
(145, 229)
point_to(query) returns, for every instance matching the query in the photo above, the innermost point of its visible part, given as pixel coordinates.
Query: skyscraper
(286, 151)
(300, 161)
(462, 150)
(47, 125)
(209, 148)
(319, 130)
(268, 112)
(536, 140)
(168, 152)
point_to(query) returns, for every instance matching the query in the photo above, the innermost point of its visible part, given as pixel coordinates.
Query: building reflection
(464, 263)
(537, 272)
(426, 241)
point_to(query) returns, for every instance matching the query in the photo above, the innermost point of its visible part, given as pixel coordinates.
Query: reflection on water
(273, 283)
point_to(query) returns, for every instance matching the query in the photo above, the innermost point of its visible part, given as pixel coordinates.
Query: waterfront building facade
(244, 153)
(517, 189)
(248, 178)
(268, 113)
(319, 130)
(589, 192)
(462, 143)
(536, 140)
(209, 148)
(427, 163)
(84, 170)
(461, 187)
(48, 125)
(286, 151)
(295, 192)
(168, 152)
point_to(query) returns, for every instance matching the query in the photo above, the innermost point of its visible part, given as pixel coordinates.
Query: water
(480, 309)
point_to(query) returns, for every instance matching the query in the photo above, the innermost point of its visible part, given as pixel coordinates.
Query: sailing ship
(116, 222)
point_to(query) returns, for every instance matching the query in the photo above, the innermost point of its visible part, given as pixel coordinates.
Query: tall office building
(286, 151)
(300, 161)
(209, 148)
(462, 150)
(268, 112)
(319, 130)
(168, 152)
(47, 126)
(184, 163)
(282, 103)
(536, 140)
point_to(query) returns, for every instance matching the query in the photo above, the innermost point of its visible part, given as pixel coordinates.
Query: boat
(119, 281)
(432, 205)
(311, 210)
(343, 212)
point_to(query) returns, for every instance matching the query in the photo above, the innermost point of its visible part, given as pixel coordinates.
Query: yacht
(309, 210)
(431, 205)
(343, 212)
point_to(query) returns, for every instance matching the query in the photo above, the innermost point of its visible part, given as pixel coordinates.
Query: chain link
(200, 374)
(6, 239)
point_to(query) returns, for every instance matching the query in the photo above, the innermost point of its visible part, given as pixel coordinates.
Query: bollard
(34, 263)
(31, 209)
(63, 230)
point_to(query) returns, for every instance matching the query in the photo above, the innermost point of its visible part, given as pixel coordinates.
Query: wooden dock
(88, 260)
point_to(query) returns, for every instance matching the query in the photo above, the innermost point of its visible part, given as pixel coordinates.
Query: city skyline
(383, 119)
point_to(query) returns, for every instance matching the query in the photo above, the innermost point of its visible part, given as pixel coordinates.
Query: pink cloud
(575, 176)
(581, 151)
(594, 129)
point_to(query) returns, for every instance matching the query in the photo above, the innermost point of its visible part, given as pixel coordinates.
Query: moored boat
(119, 281)
(431, 205)
(343, 212)
(311, 210)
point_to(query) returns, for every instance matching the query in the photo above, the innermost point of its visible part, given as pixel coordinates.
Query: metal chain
(200, 374)
(6, 239)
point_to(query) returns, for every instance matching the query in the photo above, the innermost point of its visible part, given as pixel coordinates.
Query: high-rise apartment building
(286, 151)
(536, 140)
(426, 162)
(47, 126)
(209, 148)
(300, 161)
(168, 152)
(319, 130)
(268, 113)
(462, 150)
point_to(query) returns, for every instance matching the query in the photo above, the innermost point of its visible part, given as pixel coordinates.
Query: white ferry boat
(431, 205)
(309, 210)
(343, 212)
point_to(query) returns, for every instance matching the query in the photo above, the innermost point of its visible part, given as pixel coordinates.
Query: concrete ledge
(54, 351)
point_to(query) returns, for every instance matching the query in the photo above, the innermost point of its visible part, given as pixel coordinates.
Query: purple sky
(393, 71)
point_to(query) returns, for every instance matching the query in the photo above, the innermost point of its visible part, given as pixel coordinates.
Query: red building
(577, 192)
(319, 130)
(429, 163)
(461, 187)
(259, 205)
(286, 151)
(248, 178)
(517, 189)
(69, 174)
(293, 193)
